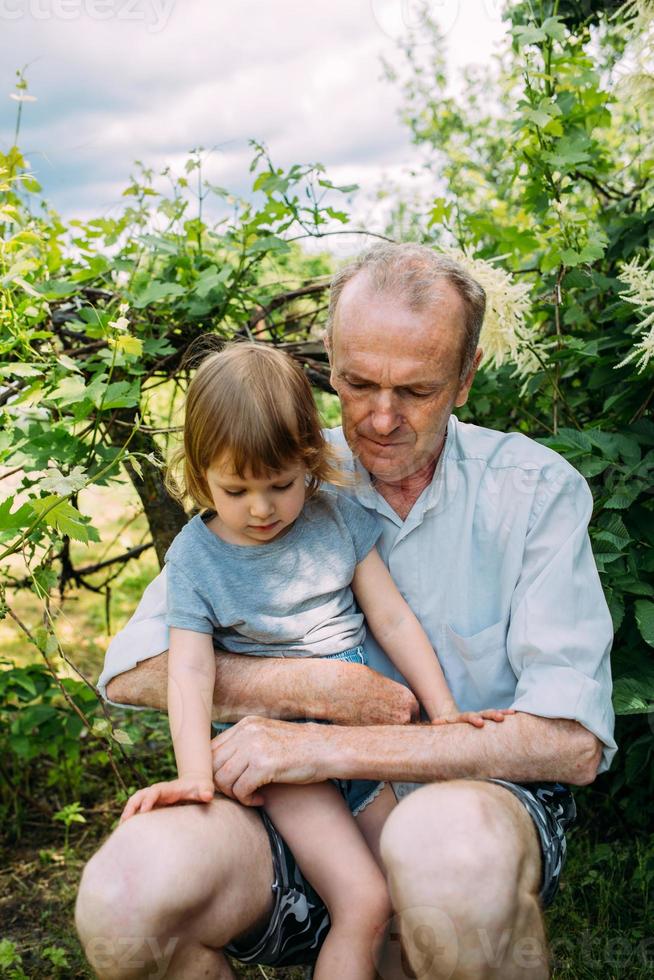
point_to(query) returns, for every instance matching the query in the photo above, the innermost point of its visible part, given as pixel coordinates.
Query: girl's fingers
(132, 806)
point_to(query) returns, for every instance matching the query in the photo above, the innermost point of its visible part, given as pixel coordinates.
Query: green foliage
(11, 961)
(544, 164)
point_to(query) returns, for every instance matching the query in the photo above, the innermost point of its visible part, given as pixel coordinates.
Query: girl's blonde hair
(254, 403)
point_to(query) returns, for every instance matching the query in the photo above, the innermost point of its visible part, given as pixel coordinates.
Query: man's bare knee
(456, 841)
(163, 875)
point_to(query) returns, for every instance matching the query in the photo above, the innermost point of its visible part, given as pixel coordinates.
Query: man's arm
(348, 694)
(524, 748)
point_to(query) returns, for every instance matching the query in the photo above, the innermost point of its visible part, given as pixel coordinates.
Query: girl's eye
(286, 486)
(234, 493)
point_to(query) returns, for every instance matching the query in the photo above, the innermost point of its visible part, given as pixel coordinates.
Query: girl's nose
(261, 507)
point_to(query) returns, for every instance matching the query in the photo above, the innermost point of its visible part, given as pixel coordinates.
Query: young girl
(272, 568)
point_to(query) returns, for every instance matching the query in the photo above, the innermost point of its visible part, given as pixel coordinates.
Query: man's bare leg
(463, 864)
(170, 888)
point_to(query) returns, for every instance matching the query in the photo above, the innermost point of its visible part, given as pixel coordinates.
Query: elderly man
(485, 535)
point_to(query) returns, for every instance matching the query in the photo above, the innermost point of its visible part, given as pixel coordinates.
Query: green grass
(602, 922)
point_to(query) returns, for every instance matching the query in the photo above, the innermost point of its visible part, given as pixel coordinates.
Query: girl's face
(253, 511)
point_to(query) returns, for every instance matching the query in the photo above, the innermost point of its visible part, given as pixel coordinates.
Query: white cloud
(304, 78)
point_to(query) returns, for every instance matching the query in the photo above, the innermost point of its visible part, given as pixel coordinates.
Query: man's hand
(259, 751)
(196, 789)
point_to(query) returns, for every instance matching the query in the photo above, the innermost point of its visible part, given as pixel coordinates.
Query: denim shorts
(299, 921)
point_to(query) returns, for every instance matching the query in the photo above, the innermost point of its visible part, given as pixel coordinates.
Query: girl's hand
(475, 718)
(197, 789)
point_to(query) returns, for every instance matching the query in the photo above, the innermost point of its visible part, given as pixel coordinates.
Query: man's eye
(416, 394)
(357, 384)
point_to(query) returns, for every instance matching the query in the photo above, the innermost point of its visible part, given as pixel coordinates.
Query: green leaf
(211, 278)
(22, 517)
(529, 35)
(592, 466)
(156, 292)
(64, 517)
(632, 697)
(554, 28)
(622, 498)
(21, 369)
(644, 611)
(69, 391)
(119, 394)
(121, 736)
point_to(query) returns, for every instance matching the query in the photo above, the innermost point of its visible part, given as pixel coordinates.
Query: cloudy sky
(119, 80)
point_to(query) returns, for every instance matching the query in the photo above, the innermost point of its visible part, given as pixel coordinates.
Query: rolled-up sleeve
(144, 636)
(560, 632)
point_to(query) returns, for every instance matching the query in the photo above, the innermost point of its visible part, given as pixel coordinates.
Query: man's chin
(390, 468)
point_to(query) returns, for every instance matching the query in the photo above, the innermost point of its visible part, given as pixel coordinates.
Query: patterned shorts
(299, 921)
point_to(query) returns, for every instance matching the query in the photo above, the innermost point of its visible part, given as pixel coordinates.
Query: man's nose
(384, 416)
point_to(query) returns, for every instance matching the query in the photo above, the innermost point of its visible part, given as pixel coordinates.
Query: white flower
(639, 279)
(122, 323)
(123, 308)
(636, 71)
(505, 335)
(22, 97)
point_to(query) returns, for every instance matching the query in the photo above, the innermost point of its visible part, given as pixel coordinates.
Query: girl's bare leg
(371, 820)
(333, 855)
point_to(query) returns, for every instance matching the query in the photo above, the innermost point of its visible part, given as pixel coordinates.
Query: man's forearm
(524, 748)
(290, 688)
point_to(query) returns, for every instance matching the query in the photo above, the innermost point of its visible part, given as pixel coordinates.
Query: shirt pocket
(488, 640)
(479, 667)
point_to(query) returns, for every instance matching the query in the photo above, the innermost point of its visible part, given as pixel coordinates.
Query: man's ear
(327, 341)
(466, 384)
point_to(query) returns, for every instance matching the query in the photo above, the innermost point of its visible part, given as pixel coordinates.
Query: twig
(24, 795)
(283, 298)
(127, 556)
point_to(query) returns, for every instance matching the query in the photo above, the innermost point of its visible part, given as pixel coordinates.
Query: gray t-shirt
(288, 597)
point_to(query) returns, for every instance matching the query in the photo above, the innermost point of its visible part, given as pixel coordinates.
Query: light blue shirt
(495, 561)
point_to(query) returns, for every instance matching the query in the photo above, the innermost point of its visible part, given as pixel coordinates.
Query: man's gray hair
(413, 272)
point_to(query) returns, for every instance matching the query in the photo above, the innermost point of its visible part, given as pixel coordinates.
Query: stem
(557, 325)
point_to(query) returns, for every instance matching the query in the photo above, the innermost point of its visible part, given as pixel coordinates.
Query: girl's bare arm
(191, 679)
(399, 633)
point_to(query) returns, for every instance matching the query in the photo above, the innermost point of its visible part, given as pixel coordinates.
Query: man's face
(397, 374)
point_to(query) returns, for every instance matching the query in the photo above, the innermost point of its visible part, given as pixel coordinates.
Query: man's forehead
(376, 333)
(367, 317)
